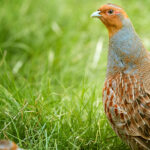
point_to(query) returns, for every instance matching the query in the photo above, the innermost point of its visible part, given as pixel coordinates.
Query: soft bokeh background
(52, 69)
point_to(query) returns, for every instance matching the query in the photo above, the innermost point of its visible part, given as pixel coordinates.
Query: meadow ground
(52, 72)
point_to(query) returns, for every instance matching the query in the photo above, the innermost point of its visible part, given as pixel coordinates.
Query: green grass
(50, 92)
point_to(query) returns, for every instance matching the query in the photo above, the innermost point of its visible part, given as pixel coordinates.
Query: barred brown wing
(127, 107)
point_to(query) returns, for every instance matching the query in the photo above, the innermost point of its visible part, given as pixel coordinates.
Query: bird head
(8, 145)
(112, 17)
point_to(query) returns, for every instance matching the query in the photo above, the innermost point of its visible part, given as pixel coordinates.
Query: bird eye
(110, 11)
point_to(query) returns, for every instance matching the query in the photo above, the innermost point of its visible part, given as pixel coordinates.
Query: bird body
(8, 145)
(126, 92)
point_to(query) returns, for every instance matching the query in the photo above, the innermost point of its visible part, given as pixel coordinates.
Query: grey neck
(123, 46)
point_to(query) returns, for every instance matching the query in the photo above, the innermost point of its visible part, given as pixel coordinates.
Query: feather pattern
(127, 107)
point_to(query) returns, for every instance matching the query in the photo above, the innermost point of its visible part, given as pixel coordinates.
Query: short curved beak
(96, 14)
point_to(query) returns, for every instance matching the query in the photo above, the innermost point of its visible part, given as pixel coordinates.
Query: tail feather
(139, 143)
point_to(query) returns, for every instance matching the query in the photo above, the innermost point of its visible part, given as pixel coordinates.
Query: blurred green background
(53, 60)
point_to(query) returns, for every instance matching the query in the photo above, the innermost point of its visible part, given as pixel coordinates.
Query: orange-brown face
(112, 16)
